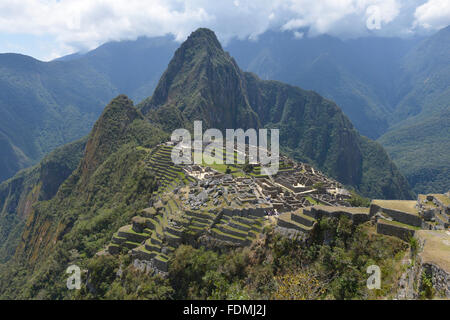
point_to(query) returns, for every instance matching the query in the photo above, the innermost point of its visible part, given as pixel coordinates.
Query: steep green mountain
(202, 82)
(44, 105)
(38, 183)
(12, 158)
(358, 74)
(419, 140)
(107, 186)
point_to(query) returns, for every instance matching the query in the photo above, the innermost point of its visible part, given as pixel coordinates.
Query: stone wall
(138, 238)
(318, 213)
(403, 217)
(439, 278)
(286, 224)
(396, 231)
(257, 212)
(302, 220)
(226, 238)
(161, 265)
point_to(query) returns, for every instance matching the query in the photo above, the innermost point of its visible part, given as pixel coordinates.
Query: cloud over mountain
(83, 24)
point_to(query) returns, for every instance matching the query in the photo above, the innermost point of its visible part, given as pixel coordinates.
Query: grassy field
(311, 200)
(442, 198)
(436, 248)
(407, 206)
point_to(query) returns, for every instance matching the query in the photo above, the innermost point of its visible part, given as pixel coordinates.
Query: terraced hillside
(218, 205)
(157, 231)
(160, 163)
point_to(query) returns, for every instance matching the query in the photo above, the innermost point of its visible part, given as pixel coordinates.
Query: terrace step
(396, 229)
(230, 230)
(152, 247)
(285, 221)
(128, 233)
(442, 220)
(174, 231)
(201, 220)
(118, 240)
(155, 241)
(302, 219)
(197, 229)
(201, 214)
(172, 240)
(143, 254)
(239, 225)
(227, 237)
(249, 221)
(130, 245)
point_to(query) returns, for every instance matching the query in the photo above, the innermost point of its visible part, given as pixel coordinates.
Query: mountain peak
(202, 82)
(203, 37)
(108, 131)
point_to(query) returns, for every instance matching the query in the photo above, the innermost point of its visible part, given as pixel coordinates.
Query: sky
(47, 29)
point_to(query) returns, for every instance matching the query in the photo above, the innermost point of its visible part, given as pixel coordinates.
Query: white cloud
(434, 14)
(298, 35)
(85, 24)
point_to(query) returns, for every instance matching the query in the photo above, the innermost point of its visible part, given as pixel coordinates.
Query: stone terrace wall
(318, 213)
(399, 216)
(396, 231)
(258, 212)
(439, 278)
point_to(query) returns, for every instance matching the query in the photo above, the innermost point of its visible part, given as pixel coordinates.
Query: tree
(298, 285)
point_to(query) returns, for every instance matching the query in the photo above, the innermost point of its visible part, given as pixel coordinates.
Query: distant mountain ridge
(419, 139)
(44, 105)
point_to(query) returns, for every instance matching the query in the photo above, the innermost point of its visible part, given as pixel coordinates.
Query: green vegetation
(311, 200)
(358, 201)
(273, 267)
(44, 105)
(40, 182)
(427, 290)
(399, 224)
(420, 139)
(98, 198)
